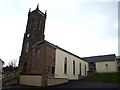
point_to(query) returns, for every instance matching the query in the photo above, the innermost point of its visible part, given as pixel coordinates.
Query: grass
(105, 77)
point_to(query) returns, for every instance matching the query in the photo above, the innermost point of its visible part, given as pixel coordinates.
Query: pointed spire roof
(37, 11)
(45, 13)
(37, 7)
(29, 11)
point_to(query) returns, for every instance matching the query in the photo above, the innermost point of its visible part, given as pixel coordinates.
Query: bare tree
(12, 63)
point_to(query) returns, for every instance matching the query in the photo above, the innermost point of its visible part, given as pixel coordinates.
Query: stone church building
(45, 60)
(43, 63)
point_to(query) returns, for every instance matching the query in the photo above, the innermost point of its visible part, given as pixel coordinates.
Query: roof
(101, 58)
(37, 11)
(46, 42)
(54, 46)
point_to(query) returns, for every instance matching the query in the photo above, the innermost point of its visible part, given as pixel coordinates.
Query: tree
(11, 66)
(12, 63)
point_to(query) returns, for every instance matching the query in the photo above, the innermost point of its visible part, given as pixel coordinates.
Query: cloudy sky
(83, 27)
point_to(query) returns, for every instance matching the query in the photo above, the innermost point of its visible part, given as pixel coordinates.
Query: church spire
(29, 11)
(45, 14)
(37, 7)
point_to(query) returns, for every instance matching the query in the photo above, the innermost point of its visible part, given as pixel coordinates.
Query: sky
(83, 27)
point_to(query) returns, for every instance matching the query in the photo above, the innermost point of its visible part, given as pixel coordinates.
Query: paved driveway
(70, 84)
(84, 84)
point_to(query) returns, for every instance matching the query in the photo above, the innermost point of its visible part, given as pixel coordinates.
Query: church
(42, 58)
(42, 63)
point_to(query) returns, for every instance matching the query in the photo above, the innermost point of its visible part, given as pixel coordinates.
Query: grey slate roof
(101, 58)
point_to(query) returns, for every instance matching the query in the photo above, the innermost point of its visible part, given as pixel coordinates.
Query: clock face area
(28, 35)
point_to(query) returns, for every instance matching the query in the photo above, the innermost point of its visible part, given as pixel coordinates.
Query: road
(71, 84)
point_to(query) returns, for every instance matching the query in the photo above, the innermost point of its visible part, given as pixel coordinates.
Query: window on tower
(30, 25)
(27, 46)
(39, 26)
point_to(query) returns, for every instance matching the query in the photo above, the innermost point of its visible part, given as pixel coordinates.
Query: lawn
(105, 77)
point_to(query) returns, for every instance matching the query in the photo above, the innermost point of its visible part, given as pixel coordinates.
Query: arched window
(80, 68)
(27, 46)
(85, 71)
(37, 55)
(65, 65)
(74, 67)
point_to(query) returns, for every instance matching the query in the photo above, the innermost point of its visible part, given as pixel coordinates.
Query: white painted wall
(59, 65)
(101, 66)
(1, 66)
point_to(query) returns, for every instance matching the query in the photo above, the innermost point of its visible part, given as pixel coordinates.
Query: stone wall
(46, 62)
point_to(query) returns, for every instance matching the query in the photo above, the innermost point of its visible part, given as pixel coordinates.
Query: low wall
(36, 80)
(33, 80)
(55, 81)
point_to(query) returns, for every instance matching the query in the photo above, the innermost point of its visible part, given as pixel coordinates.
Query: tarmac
(71, 84)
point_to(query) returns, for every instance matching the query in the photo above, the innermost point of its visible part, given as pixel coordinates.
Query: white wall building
(107, 66)
(103, 63)
(1, 65)
(69, 66)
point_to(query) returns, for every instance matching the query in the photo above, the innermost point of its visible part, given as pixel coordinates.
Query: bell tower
(34, 33)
